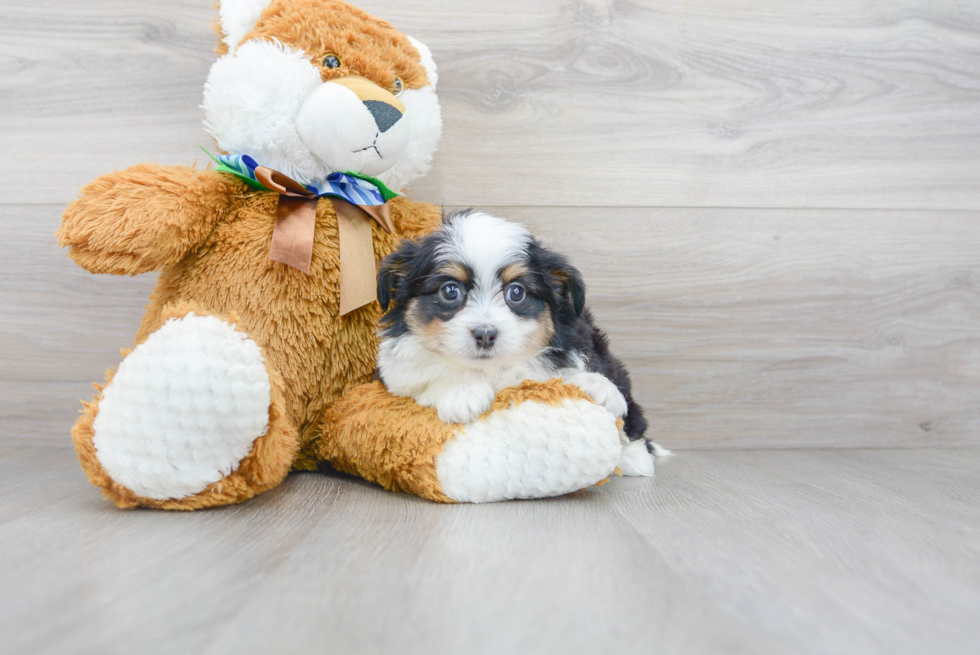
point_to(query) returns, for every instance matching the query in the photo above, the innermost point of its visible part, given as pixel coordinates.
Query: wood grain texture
(60, 326)
(742, 329)
(778, 328)
(590, 102)
(735, 552)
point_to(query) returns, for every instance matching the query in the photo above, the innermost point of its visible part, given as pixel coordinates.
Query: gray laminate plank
(559, 576)
(61, 327)
(835, 551)
(37, 477)
(81, 576)
(834, 104)
(792, 551)
(741, 328)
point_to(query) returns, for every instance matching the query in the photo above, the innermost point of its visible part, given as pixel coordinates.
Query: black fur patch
(576, 332)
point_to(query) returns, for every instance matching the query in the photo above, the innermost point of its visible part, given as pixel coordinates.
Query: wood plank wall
(775, 204)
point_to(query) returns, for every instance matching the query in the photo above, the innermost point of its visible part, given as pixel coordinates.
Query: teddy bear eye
(397, 87)
(332, 61)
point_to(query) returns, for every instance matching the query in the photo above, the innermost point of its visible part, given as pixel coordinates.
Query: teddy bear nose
(485, 335)
(384, 114)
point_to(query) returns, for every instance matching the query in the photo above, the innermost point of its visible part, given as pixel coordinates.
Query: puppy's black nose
(485, 335)
(384, 114)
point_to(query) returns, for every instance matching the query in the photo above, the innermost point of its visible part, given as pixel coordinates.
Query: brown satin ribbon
(292, 236)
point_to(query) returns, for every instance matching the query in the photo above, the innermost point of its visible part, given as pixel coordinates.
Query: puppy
(479, 306)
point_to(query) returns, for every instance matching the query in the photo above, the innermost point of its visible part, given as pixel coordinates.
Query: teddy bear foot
(530, 450)
(178, 425)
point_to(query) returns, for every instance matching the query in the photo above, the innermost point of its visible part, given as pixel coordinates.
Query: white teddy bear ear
(238, 18)
(427, 61)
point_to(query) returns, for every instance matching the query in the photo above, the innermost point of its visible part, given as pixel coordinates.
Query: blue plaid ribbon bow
(356, 189)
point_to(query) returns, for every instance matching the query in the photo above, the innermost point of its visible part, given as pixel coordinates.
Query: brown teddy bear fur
(365, 44)
(211, 235)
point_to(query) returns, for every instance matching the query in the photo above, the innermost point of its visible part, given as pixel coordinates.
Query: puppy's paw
(601, 390)
(637, 460)
(465, 402)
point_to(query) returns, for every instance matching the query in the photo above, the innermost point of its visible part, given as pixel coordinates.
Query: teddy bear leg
(543, 442)
(538, 440)
(194, 417)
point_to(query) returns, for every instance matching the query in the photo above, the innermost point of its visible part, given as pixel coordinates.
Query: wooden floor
(804, 551)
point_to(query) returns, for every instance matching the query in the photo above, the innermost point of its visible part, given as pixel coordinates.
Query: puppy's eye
(516, 293)
(397, 87)
(332, 61)
(451, 292)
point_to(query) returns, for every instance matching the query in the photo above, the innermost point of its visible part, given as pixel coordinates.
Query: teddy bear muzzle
(352, 124)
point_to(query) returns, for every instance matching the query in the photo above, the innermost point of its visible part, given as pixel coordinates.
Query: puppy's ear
(449, 217)
(563, 275)
(394, 267)
(572, 285)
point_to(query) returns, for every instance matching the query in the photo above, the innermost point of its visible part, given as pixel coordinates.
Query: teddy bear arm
(385, 439)
(144, 217)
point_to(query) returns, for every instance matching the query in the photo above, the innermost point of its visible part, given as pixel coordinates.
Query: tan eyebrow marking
(455, 271)
(512, 272)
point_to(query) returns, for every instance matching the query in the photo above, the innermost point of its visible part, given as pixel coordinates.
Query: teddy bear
(257, 351)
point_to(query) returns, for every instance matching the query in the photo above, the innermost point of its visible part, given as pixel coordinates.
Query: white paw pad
(600, 389)
(531, 450)
(465, 402)
(184, 408)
